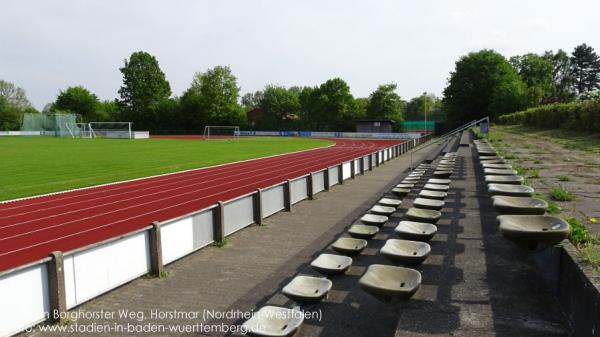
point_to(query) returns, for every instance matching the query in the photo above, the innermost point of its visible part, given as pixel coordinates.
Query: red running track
(32, 228)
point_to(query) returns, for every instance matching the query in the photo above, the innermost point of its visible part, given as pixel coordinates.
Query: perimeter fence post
(156, 261)
(57, 298)
(287, 195)
(218, 222)
(257, 206)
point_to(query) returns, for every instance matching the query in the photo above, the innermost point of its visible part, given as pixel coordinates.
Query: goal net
(110, 130)
(221, 131)
(59, 124)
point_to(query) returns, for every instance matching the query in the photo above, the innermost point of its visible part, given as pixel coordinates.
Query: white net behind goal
(221, 131)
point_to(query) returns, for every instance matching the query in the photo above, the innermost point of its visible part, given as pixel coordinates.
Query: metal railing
(445, 136)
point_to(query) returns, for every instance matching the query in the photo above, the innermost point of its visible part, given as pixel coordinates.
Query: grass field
(38, 165)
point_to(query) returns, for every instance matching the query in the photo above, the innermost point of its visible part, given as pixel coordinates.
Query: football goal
(221, 131)
(110, 130)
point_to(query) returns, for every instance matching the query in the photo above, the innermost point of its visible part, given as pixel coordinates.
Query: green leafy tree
(537, 73)
(585, 69)
(10, 115)
(386, 103)
(415, 108)
(13, 104)
(170, 116)
(213, 99)
(251, 100)
(144, 88)
(79, 100)
(563, 89)
(329, 107)
(109, 111)
(483, 84)
(14, 95)
(361, 106)
(280, 107)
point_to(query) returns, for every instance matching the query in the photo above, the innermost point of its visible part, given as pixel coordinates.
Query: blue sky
(46, 46)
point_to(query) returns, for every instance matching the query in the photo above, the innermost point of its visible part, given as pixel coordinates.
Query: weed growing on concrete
(579, 233)
(534, 174)
(591, 253)
(221, 243)
(564, 178)
(553, 208)
(560, 194)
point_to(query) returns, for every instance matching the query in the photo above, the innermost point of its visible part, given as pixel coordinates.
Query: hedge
(580, 116)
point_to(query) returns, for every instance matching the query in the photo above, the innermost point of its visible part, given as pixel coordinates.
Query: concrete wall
(579, 292)
(94, 271)
(24, 299)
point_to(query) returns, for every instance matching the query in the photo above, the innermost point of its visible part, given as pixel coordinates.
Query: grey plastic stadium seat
(382, 210)
(487, 153)
(363, 231)
(405, 251)
(400, 192)
(519, 205)
(436, 187)
(390, 202)
(499, 172)
(413, 230)
(274, 321)
(530, 230)
(489, 158)
(439, 181)
(307, 289)
(374, 219)
(514, 180)
(428, 204)
(442, 174)
(389, 282)
(497, 166)
(331, 264)
(405, 185)
(349, 246)
(493, 161)
(423, 215)
(438, 195)
(510, 190)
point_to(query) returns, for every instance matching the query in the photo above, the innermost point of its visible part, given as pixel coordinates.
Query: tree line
(483, 83)
(213, 98)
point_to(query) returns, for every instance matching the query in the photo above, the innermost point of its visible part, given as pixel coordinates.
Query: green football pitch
(38, 165)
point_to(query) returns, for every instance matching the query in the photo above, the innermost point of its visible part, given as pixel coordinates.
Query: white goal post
(110, 129)
(222, 131)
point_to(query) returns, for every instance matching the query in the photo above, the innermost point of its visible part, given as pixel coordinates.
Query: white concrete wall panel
(238, 214)
(24, 298)
(272, 201)
(299, 190)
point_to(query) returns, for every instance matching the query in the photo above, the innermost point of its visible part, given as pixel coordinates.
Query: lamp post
(425, 110)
